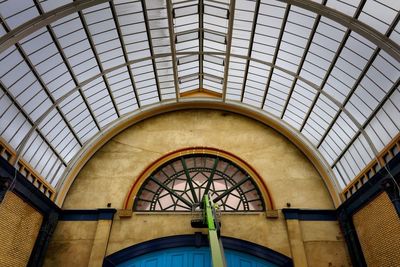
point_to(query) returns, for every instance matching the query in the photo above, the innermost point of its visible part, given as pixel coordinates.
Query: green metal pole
(217, 251)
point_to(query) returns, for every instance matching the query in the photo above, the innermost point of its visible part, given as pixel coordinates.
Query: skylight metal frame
(131, 77)
(212, 66)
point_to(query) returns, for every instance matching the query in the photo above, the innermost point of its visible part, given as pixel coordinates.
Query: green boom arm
(217, 251)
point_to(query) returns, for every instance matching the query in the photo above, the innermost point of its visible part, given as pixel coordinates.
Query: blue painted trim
(372, 188)
(196, 240)
(357, 201)
(26, 190)
(309, 215)
(35, 198)
(87, 215)
(257, 250)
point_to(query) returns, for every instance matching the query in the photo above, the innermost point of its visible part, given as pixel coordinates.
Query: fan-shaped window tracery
(181, 183)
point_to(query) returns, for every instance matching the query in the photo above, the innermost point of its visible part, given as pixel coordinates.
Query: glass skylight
(65, 78)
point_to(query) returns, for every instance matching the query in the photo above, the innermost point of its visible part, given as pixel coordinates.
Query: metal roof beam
(350, 94)
(284, 21)
(149, 39)
(201, 43)
(228, 47)
(131, 62)
(43, 85)
(173, 47)
(325, 79)
(98, 61)
(20, 32)
(123, 47)
(19, 107)
(388, 45)
(253, 33)
(303, 58)
(127, 64)
(379, 39)
(376, 110)
(69, 68)
(355, 86)
(332, 65)
(365, 124)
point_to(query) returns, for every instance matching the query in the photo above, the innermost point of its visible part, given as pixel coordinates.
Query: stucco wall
(288, 174)
(71, 244)
(324, 244)
(251, 227)
(107, 177)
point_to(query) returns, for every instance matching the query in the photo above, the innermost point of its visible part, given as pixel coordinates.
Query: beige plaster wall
(107, 177)
(324, 244)
(255, 228)
(71, 244)
(109, 174)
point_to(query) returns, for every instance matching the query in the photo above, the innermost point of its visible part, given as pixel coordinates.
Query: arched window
(180, 184)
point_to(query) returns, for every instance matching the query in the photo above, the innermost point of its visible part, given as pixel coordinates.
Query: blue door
(193, 251)
(193, 257)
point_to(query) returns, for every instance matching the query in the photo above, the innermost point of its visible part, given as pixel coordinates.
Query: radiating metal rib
(149, 39)
(240, 183)
(303, 58)
(201, 43)
(376, 110)
(69, 68)
(123, 47)
(356, 84)
(250, 49)
(171, 191)
(189, 180)
(173, 47)
(98, 61)
(228, 47)
(43, 85)
(278, 44)
(18, 106)
(332, 65)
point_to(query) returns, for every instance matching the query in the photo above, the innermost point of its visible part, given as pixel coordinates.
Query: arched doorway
(193, 251)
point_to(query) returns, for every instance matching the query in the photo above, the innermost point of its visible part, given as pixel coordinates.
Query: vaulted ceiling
(329, 70)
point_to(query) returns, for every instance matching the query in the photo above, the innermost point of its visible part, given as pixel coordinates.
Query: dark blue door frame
(196, 240)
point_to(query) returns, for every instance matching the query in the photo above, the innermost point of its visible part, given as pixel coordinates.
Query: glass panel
(109, 67)
(145, 81)
(121, 85)
(299, 104)
(16, 13)
(379, 14)
(99, 99)
(78, 115)
(278, 91)
(348, 7)
(50, 5)
(322, 50)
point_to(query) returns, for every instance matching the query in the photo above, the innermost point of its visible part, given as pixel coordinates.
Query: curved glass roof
(329, 69)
